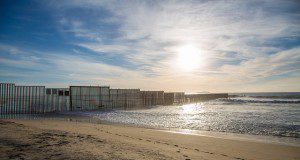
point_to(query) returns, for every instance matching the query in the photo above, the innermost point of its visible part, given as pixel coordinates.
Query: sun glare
(189, 57)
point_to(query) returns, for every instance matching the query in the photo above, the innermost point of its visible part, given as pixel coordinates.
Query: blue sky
(217, 46)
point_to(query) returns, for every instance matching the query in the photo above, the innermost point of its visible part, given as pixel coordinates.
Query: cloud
(241, 42)
(284, 62)
(77, 29)
(110, 49)
(220, 26)
(68, 69)
(15, 57)
(20, 63)
(10, 49)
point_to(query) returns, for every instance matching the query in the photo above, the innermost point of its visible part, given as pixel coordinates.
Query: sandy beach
(53, 139)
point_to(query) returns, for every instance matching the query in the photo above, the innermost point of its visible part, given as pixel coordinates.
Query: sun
(189, 57)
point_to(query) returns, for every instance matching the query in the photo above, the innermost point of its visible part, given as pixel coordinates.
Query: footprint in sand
(186, 157)
(239, 158)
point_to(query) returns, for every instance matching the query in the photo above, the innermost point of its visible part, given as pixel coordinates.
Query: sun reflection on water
(190, 114)
(190, 108)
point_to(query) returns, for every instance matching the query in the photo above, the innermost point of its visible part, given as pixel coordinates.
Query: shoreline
(130, 142)
(270, 139)
(287, 141)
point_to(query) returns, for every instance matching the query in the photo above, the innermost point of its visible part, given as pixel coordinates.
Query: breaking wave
(237, 100)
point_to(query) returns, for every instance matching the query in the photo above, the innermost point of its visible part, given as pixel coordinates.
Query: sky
(191, 46)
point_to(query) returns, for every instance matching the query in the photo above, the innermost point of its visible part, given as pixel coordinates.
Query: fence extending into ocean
(39, 99)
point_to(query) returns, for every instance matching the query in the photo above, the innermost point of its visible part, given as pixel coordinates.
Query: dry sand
(53, 139)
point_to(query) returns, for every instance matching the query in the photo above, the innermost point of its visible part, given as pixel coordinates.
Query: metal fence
(38, 99)
(174, 98)
(152, 98)
(21, 99)
(7, 92)
(89, 97)
(191, 98)
(126, 98)
(57, 99)
(179, 97)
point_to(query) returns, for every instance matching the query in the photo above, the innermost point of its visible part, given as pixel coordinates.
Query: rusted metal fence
(126, 98)
(152, 98)
(174, 98)
(38, 99)
(89, 97)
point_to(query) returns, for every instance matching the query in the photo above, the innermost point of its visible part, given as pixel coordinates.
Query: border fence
(57, 100)
(126, 98)
(38, 99)
(89, 97)
(21, 99)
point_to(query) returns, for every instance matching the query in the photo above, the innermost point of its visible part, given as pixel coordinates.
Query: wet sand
(54, 139)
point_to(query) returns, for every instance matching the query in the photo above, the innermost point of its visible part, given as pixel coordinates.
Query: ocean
(270, 117)
(265, 114)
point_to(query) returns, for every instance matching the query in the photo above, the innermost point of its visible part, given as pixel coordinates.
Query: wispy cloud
(241, 42)
(69, 69)
(9, 49)
(109, 49)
